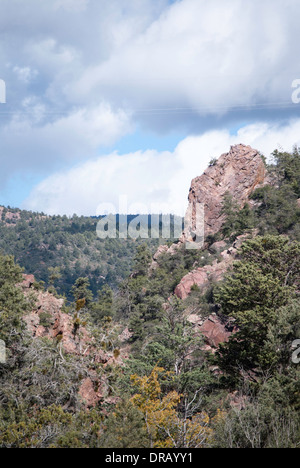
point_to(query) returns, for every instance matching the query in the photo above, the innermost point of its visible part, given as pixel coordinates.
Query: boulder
(215, 331)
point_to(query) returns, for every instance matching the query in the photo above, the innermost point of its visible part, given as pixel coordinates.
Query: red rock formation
(48, 320)
(28, 281)
(238, 172)
(90, 394)
(214, 331)
(204, 276)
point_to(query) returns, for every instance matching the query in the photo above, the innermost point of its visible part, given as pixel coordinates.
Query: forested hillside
(145, 365)
(61, 249)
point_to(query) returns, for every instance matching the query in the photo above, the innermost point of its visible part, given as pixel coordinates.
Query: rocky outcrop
(7, 217)
(47, 320)
(28, 281)
(215, 331)
(238, 172)
(203, 277)
(164, 249)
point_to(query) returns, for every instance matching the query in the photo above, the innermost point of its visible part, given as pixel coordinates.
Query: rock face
(204, 276)
(214, 331)
(238, 172)
(48, 320)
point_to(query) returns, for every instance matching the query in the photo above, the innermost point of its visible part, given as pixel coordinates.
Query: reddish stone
(28, 281)
(214, 331)
(89, 396)
(197, 277)
(238, 172)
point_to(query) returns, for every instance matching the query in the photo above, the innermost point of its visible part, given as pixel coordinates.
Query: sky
(120, 104)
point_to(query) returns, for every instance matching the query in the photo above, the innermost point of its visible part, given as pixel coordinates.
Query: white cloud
(45, 49)
(25, 74)
(151, 179)
(81, 73)
(208, 56)
(66, 138)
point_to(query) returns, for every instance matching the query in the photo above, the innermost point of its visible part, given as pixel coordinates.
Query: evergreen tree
(81, 291)
(265, 279)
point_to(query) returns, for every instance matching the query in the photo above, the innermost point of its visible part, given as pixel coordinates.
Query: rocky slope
(238, 172)
(204, 276)
(47, 320)
(214, 329)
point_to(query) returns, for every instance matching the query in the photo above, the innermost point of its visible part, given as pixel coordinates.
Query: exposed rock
(125, 335)
(32, 321)
(204, 276)
(48, 320)
(161, 249)
(73, 343)
(28, 281)
(90, 396)
(237, 400)
(9, 218)
(195, 320)
(197, 277)
(238, 172)
(218, 246)
(164, 249)
(214, 331)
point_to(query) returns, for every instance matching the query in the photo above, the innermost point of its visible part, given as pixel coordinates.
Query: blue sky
(111, 98)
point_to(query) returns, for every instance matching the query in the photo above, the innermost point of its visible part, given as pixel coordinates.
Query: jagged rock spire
(239, 172)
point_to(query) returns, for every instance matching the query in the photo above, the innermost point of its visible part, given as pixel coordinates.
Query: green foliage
(142, 260)
(81, 291)
(287, 169)
(58, 250)
(12, 302)
(186, 402)
(124, 428)
(45, 319)
(103, 307)
(173, 345)
(237, 220)
(265, 279)
(213, 162)
(277, 210)
(49, 427)
(258, 425)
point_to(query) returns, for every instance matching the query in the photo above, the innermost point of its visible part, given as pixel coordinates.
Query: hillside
(42, 243)
(194, 349)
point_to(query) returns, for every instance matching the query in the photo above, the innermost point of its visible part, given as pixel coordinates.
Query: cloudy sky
(122, 102)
